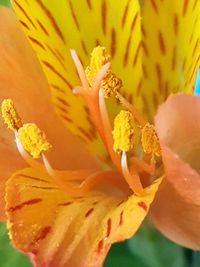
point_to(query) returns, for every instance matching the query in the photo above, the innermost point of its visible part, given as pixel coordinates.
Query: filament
(138, 116)
(80, 69)
(132, 179)
(33, 163)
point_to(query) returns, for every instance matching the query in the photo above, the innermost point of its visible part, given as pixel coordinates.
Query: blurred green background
(148, 248)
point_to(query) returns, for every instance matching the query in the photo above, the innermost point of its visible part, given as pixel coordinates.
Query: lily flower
(67, 207)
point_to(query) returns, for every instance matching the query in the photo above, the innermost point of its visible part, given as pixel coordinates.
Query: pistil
(96, 105)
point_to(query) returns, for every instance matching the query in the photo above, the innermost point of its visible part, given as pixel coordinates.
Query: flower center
(99, 82)
(32, 144)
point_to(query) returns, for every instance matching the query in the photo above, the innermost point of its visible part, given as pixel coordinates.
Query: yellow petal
(53, 29)
(22, 79)
(72, 231)
(171, 55)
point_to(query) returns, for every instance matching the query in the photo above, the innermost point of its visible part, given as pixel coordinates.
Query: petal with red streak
(22, 79)
(59, 230)
(176, 209)
(171, 50)
(54, 28)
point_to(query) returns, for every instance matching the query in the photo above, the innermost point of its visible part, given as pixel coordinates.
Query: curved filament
(138, 116)
(80, 69)
(141, 165)
(67, 175)
(33, 163)
(133, 178)
(77, 183)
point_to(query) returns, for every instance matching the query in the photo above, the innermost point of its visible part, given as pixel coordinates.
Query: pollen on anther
(150, 141)
(111, 83)
(33, 139)
(10, 115)
(123, 132)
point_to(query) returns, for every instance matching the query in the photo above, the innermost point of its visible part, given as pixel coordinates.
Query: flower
(87, 208)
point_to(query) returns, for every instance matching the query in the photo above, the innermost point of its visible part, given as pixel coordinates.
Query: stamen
(80, 69)
(33, 139)
(98, 59)
(141, 165)
(137, 115)
(111, 83)
(150, 141)
(69, 180)
(123, 132)
(132, 178)
(68, 175)
(33, 163)
(10, 115)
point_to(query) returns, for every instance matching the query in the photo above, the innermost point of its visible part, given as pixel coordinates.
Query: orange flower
(71, 217)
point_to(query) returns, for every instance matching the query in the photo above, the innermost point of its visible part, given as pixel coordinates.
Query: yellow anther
(10, 115)
(150, 141)
(33, 139)
(111, 83)
(123, 132)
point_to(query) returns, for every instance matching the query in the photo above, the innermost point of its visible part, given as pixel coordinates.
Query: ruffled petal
(22, 79)
(54, 28)
(171, 53)
(58, 230)
(176, 209)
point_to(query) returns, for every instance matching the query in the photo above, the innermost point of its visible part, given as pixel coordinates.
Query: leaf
(5, 2)
(119, 256)
(9, 256)
(155, 250)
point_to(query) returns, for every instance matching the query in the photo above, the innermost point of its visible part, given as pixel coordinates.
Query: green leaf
(9, 257)
(155, 249)
(5, 2)
(120, 256)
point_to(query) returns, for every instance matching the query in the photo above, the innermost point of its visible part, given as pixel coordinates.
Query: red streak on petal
(42, 233)
(65, 204)
(109, 224)
(89, 212)
(142, 205)
(121, 219)
(100, 246)
(25, 203)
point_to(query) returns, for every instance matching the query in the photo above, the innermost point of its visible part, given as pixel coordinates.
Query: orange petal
(75, 231)
(22, 79)
(176, 209)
